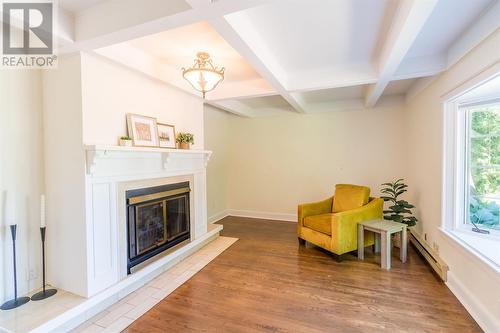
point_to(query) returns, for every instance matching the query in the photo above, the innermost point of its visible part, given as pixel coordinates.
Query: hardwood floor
(267, 282)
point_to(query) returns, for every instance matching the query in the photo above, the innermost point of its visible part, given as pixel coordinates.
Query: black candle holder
(17, 301)
(45, 293)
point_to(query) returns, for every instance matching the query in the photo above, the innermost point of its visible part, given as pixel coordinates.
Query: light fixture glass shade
(203, 76)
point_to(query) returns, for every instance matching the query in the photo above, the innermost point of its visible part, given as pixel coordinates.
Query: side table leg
(376, 238)
(404, 245)
(361, 242)
(385, 260)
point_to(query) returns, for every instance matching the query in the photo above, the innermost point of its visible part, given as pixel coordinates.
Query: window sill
(485, 248)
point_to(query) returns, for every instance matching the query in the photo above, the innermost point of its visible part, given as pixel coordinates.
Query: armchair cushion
(320, 223)
(348, 197)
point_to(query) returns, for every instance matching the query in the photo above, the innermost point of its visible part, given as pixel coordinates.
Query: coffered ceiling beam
(263, 62)
(242, 95)
(409, 21)
(94, 29)
(242, 89)
(330, 78)
(232, 106)
(409, 68)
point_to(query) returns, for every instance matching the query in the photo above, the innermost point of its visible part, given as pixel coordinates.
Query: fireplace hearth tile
(119, 325)
(114, 313)
(143, 308)
(154, 291)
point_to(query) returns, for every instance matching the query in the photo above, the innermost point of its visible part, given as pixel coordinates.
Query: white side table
(383, 229)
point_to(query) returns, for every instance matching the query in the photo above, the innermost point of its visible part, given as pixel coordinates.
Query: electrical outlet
(32, 275)
(435, 246)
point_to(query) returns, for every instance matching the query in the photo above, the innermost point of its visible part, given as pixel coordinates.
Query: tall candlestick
(42, 211)
(17, 301)
(45, 293)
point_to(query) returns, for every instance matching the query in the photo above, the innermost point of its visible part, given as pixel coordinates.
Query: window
(471, 166)
(482, 166)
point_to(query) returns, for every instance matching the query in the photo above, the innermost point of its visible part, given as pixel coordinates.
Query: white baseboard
(485, 319)
(263, 215)
(218, 216)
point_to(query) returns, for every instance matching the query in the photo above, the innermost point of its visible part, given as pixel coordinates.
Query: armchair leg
(301, 241)
(339, 257)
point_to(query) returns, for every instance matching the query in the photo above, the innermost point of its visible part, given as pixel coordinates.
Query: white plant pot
(126, 143)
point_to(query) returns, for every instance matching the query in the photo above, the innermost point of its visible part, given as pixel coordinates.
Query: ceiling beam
(409, 21)
(232, 106)
(242, 89)
(241, 95)
(263, 62)
(330, 78)
(94, 29)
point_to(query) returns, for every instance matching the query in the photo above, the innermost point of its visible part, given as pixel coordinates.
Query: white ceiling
(177, 48)
(448, 20)
(295, 55)
(78, 5)
(318, 34)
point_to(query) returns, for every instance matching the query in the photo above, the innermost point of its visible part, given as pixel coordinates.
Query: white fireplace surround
(109, 172)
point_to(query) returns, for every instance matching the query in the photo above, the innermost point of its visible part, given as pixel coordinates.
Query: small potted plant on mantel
(184, 140)
(399, 210)
(125, 141)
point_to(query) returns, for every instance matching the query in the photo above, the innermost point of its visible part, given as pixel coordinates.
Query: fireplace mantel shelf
(96, 152)
(145, 149)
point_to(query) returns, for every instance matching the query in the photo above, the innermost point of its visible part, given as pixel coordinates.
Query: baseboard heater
(429, 254)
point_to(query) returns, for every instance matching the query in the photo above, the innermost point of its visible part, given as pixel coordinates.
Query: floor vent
(429, 254)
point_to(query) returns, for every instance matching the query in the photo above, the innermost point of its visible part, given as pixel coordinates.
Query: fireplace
(158, 218)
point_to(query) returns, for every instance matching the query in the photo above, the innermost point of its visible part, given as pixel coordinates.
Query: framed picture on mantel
(143, 130)
(166, 135)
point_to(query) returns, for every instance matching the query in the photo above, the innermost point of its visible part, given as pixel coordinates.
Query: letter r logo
(27, 28)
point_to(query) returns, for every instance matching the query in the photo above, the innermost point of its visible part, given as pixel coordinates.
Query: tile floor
(33, 314)
(122, 314)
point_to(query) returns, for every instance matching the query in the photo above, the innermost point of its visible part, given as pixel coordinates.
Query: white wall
(110, 91)
(21, 177)
(64, 176)
(217, 139)
(278, 162)
(479, 285)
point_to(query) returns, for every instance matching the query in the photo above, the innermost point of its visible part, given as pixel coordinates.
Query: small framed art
(166, 135)
(143, 130)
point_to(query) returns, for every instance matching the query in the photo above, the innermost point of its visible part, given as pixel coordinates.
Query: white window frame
(464, 169)
(454, 196)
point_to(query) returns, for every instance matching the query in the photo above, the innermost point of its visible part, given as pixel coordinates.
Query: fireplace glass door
(150, 226)
(176, 216)
(158, 219)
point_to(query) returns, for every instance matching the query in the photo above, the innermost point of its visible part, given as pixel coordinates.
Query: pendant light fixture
(203, 76)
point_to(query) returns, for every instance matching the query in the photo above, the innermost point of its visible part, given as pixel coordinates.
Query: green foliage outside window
(484, 199)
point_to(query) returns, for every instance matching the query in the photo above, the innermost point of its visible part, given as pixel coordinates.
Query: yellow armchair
(322, 224)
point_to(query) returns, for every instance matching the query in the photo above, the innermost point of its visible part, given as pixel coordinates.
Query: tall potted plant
(184, 139)
(399, 210)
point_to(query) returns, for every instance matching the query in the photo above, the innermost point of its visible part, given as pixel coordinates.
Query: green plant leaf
(400, 192)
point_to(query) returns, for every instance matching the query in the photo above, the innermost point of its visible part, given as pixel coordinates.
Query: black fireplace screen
(158, 218)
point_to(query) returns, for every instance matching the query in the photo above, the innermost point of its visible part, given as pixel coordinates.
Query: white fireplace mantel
(98, 154)
(88, 231)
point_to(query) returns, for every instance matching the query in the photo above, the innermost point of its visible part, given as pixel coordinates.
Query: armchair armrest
(345, 224)
(314, 208)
